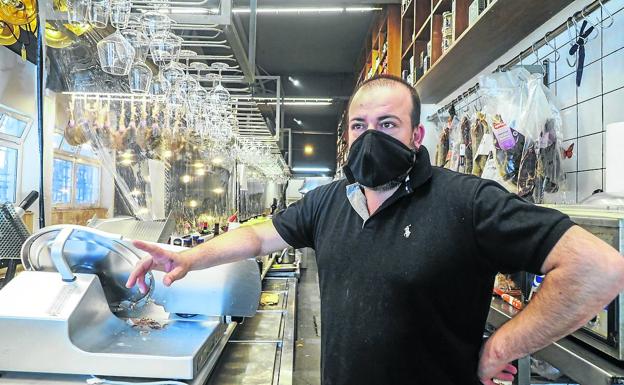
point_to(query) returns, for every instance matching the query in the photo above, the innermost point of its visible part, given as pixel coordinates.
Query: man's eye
(387, 125)
(357, 127)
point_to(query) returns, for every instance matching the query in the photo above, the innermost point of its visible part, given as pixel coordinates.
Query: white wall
(17, 91)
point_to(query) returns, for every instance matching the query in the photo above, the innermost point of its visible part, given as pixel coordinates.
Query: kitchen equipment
(13, 234)
(72, 305)
(604, 332)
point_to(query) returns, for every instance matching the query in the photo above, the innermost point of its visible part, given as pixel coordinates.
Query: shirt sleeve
(296, 223)
(512, 234)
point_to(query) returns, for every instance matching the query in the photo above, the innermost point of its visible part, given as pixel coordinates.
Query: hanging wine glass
(172, 73)
(140, 78)
(99, 13)
(165, 48)
(139, 42)
(185, 85)
(120, 13)
(78, 12)
(196, 99)
(116, 54)
(154, 23)
(159, 86)
(219, 95)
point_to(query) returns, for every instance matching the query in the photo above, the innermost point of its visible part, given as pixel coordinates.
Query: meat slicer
(71, 313)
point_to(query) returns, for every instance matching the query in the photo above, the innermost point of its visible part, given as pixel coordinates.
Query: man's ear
(419, 135)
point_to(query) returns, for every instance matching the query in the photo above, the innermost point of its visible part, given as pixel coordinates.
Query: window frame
(19, 116)
(75, 160)
(18, 177)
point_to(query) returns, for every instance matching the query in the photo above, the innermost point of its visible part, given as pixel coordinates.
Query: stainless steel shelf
(571, 358)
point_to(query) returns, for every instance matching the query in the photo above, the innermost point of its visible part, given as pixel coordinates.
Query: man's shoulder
(330, 188)
(445, 178)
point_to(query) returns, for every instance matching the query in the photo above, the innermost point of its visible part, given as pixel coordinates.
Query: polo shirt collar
(418, 176)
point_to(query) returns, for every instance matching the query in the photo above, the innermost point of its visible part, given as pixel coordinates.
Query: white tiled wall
(588, 109)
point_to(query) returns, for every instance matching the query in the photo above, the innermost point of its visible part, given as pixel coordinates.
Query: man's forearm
(236, 245)
(571, 294)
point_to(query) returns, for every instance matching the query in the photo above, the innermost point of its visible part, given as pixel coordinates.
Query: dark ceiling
(321, 51)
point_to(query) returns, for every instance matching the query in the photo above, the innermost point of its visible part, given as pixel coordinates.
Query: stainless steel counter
(571, 358)
(261, 351)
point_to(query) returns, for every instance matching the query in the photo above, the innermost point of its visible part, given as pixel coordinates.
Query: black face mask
(378, 161)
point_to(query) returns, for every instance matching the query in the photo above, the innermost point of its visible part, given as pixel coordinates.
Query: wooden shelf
(442, 6)
(408, 12)
(501, 26)
(408, 50)
(424, 33)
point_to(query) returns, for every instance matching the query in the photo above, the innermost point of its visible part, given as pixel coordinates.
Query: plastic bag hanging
(526, 128)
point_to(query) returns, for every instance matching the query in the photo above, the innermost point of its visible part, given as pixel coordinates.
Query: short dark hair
(391, 80)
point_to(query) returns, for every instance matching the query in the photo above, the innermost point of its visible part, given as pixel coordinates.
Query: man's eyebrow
(389, 117)
(356, 120)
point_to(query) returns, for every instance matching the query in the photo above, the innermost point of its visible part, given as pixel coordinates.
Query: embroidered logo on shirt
(407, 232)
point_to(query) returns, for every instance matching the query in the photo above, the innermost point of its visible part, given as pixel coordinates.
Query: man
(407, 254)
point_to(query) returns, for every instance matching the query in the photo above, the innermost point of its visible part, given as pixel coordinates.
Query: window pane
(86, 150)
(8, 174)
(67, 147)
(62, 182)
(57, 139)
(87, 184)
(11, 126)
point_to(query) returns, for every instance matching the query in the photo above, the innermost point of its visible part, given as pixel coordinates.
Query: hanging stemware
(116, 54)
(219, 95)
(154, 23)
(120, 13)
(165, 48)
(140, 78)
(99, 13)
(139, 42)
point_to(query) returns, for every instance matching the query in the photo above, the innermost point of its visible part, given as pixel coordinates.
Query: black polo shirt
(405, 293)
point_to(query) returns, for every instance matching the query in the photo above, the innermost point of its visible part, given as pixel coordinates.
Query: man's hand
(491, 367)
(176, 265)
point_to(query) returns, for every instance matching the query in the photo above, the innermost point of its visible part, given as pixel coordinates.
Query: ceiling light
(310, 102)
(218, 190)
(363, 9)
(295, 82)
(198, 165)
(200, 172)
(299, 122)
(193, 203)
(126, 162)
(304, 10)
(311, 169)
(186, 179)
(308, 149)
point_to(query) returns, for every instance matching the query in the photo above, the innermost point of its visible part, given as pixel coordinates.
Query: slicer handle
(56, 252)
